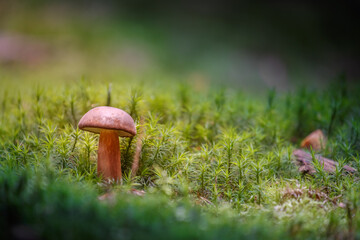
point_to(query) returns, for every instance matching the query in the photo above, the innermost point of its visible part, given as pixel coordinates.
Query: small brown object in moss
(306, 165)
(315, 140)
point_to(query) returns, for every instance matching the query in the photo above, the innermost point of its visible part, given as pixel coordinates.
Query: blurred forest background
(247, 44)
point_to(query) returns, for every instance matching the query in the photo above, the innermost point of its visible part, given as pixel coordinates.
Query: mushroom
(110, 123)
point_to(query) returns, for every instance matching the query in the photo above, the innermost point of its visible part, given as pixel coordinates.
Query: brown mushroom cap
(109, 118)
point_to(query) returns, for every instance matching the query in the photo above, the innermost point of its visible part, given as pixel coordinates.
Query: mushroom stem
(109, 164)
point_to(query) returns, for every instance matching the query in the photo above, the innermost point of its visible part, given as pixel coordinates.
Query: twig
(305, 161)
(135, 164)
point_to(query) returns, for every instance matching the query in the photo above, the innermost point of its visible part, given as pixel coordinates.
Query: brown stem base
(109, 164)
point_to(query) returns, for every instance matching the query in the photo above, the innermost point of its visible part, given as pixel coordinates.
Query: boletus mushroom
(111, 123)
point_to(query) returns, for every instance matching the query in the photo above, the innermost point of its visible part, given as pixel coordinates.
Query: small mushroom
(315, 140)
(110, 123)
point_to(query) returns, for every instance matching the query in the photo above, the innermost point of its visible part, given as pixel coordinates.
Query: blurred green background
(251, 45)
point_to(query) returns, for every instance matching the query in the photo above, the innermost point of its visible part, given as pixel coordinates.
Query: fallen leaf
(315, 140)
